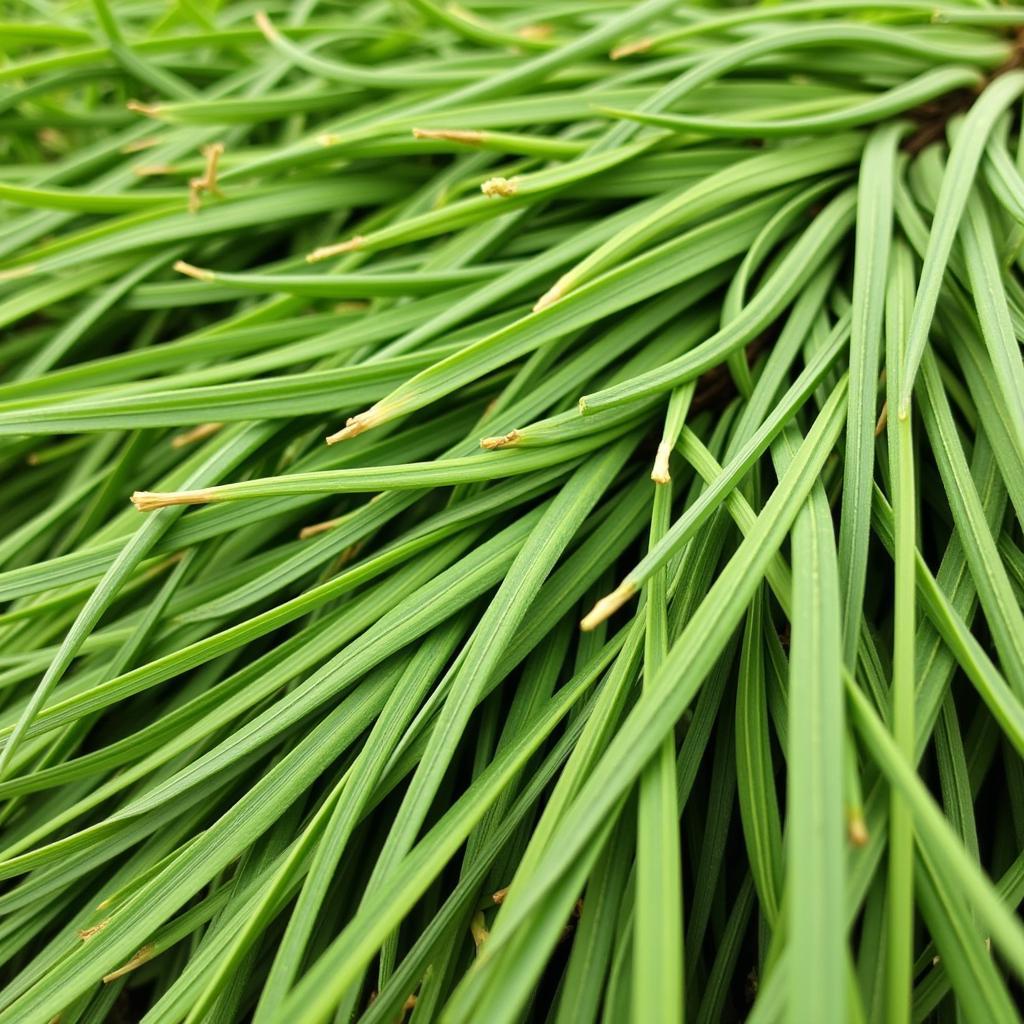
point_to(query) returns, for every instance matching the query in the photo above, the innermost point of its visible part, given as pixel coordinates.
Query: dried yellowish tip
(883, 418)
(316, 528)
(551, 296)
(139, 145)
(152, 170)
(349, 554)
(16, 272)
(264, 24)
(149, 109)
(503, 187)
(857, 830)
(466, 138)
(660, 473)
(141, 957)
(355, 425)
(478, 929)
(199, 433)
(149, 501)
(53, 140)
(325, 252)
(501, 441)
(608, 606)
(199, 273)
(628, 49)
(537, 33)
(87, 933)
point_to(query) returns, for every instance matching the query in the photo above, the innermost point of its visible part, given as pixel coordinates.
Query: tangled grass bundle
(701, 326)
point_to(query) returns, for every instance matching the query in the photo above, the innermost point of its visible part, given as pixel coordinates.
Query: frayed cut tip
(354, 426)
(501, 441)
(150, 501)
(660, 473)
(499, 187)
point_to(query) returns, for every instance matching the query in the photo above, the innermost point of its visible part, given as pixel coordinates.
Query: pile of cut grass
(700, 325)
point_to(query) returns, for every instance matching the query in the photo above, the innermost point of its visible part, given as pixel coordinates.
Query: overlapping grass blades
(647, 641)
